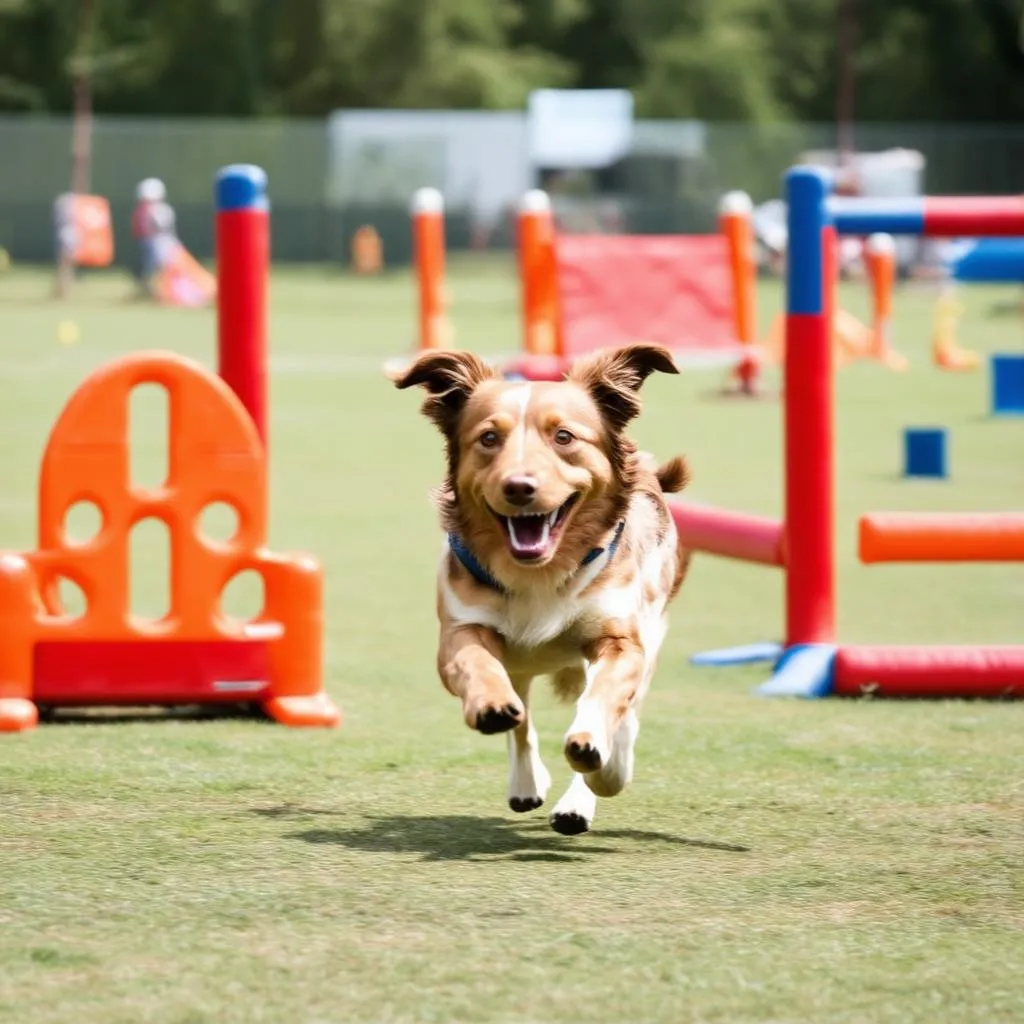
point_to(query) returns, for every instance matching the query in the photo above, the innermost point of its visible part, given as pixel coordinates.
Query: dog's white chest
(524, 620)
(531, 620)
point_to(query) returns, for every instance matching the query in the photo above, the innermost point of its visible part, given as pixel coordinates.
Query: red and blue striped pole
(243, 268)
(934, 216)
(809, 529)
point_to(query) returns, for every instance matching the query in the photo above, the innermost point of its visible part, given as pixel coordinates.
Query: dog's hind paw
(569, 823)
(522, 804)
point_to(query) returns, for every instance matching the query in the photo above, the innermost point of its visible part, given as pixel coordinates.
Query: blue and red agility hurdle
(812, 663)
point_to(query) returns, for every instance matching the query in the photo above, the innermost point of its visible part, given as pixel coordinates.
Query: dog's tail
(673, 475)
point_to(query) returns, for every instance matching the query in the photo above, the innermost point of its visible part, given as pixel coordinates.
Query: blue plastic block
(924, 452)
(1008, 385)
(805, 670)
(745, 655)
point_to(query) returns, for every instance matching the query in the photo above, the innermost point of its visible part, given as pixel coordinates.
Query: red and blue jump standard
(243, 261)
(812, 665)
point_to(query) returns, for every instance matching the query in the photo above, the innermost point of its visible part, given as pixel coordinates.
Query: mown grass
(773, 861)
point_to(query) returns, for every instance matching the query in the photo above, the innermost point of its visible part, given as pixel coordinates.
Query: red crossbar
(749, 538)
(150, 672)
(973, 216)
(930, 671)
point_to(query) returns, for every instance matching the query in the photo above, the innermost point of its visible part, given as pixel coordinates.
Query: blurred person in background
(65, 240)
(153, 227)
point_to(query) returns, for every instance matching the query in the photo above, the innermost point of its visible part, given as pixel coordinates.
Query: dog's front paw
(493, 718)
(583, 753)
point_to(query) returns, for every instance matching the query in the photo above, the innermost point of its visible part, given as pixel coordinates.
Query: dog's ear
(449, 377)
(614, 378)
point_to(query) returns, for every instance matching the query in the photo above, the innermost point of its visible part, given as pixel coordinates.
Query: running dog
(561, 559)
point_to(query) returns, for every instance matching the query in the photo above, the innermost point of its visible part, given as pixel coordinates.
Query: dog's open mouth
(532, 537)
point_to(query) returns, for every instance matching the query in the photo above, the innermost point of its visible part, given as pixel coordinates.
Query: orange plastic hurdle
(941, 537)
(195, 654)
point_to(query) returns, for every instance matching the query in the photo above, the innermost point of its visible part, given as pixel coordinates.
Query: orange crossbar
(942, 537)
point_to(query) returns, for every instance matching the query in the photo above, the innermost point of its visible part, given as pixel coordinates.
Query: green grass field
(774, 861)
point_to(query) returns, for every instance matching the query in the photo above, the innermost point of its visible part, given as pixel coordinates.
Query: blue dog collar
(475, 569)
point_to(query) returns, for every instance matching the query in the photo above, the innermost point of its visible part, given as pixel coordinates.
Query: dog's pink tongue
(528, 535)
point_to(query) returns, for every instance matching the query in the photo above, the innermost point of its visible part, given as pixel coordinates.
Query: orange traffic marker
(367, 250)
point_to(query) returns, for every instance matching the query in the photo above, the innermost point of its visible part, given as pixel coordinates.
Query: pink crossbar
(749, 538)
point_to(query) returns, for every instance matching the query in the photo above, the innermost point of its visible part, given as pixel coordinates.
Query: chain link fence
(328, 177)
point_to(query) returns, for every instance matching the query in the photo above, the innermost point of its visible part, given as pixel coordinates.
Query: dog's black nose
(519, 490)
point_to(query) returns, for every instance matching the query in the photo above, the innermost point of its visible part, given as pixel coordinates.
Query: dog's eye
(563, 437)
(489, 439)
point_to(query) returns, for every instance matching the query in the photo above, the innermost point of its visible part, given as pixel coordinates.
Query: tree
(744, 60)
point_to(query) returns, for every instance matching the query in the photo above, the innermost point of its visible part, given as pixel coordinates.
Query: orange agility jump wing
(195, 654)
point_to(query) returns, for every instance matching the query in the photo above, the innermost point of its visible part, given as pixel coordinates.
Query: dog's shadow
(462, 837)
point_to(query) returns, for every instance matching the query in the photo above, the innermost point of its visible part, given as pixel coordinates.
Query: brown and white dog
(561, 559)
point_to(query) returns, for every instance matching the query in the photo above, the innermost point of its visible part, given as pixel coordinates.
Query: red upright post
(810, 552)
(243, 264)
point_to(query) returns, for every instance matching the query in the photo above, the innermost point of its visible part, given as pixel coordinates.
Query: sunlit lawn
(773, 861)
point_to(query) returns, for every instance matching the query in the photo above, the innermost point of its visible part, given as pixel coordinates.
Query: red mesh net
(673, 290)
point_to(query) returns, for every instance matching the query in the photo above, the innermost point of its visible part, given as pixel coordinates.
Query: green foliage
(718, 68)
(760, 60)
